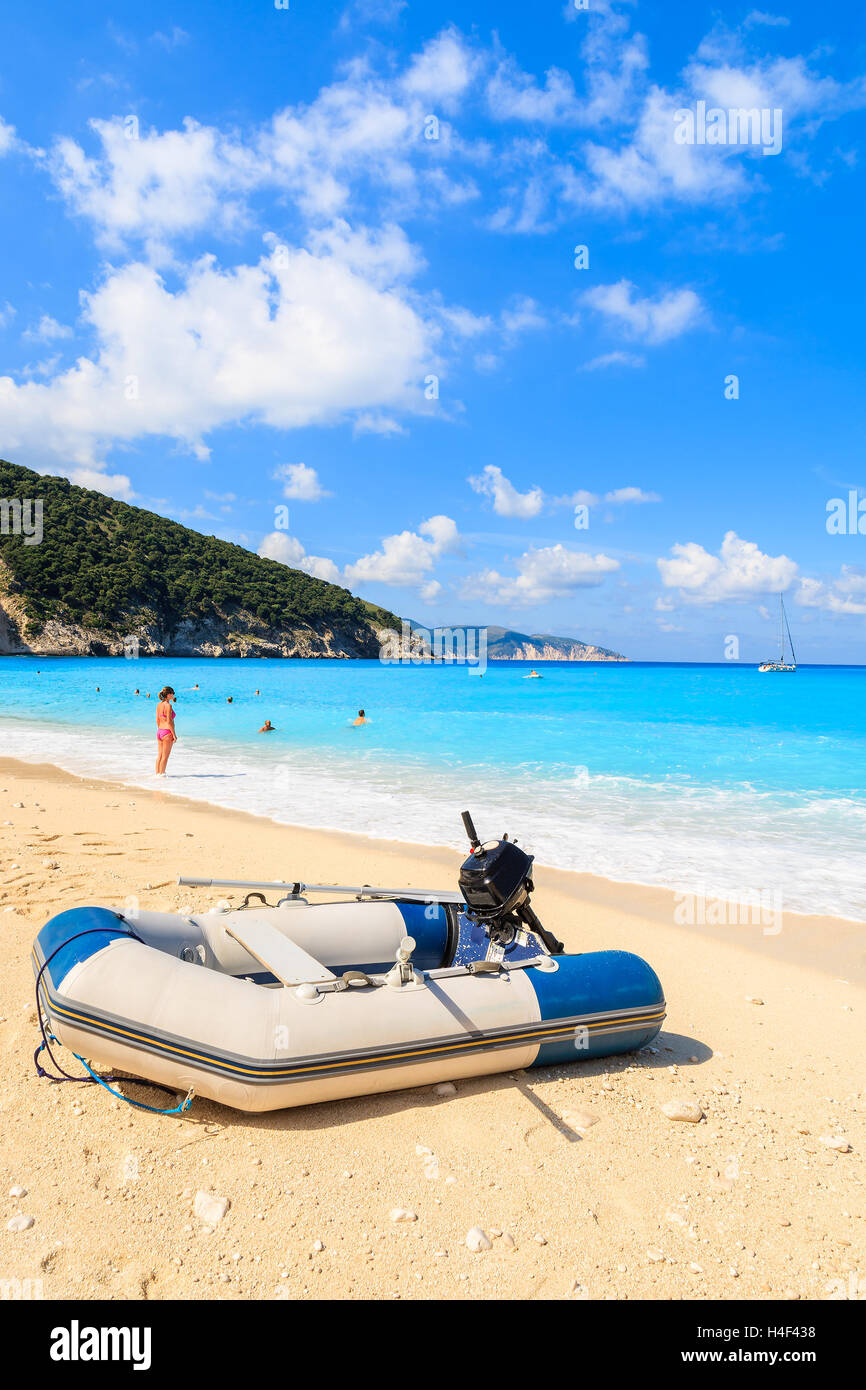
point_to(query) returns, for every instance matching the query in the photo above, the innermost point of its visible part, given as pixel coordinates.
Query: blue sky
(305, 279)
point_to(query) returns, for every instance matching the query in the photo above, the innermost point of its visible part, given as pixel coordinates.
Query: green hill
(104, 571)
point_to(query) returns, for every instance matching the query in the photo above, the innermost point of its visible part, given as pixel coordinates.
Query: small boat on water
(268, 1006)
(782, 664)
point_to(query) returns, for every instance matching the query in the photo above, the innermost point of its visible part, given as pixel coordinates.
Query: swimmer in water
(362, 719)
(267, 728)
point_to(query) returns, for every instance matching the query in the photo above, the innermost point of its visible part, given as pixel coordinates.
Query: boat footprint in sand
(265, 1006)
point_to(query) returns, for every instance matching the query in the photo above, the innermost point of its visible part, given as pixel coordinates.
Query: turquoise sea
(703, 778)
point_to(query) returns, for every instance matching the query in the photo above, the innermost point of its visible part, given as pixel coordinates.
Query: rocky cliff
(221, 634)
(506, 645)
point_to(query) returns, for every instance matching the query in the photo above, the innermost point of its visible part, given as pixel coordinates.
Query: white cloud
(300, 482)
(521, 315)
(364, 133)
(580, 498)
(289, 551)
(173, 39)
(7, 137)
(383, 258)
(650, 167)
(442, 70)
(845, 595)
(112, 484)
(759, 17)
(739, 571)
(47, 331)
(614, 359)
(651, 320)
(515, 95)
(553, 572)
(621, 495)
(507, 501)
(372, 422)
(152, 186)
(299, 341)
(371, 12)
(406, 560)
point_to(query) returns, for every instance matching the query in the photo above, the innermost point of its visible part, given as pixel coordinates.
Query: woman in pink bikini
(166, 737)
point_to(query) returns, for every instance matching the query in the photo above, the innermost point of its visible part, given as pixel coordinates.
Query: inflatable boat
(267, 1006)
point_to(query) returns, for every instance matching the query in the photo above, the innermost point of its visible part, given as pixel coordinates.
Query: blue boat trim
(618, 980)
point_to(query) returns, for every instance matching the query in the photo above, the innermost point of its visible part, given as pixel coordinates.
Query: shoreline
(583, 1184)
(825, 942)
(625, 790)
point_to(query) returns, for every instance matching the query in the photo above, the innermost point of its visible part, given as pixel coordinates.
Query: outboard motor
(496, 883)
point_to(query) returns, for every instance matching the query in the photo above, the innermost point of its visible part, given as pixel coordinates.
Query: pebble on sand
(210, 1209)
(836, 1142)
(478, 1240)
(20, 1223)
(403, 1214)
(685, 1110)
(446, 1088)
(17, 1191)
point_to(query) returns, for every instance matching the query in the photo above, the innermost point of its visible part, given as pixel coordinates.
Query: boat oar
(296, 889)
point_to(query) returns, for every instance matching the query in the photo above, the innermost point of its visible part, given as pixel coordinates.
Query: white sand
(749, 1203)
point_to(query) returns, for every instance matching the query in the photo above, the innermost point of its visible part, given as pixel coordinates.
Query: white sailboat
(782, 664)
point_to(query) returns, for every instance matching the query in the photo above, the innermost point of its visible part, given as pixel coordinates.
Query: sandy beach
(764, 1031)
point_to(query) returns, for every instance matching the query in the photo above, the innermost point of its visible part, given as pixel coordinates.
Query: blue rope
(64, 1075)
(139, 1104)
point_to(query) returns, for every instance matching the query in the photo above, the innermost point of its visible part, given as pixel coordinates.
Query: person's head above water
(361, 714)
